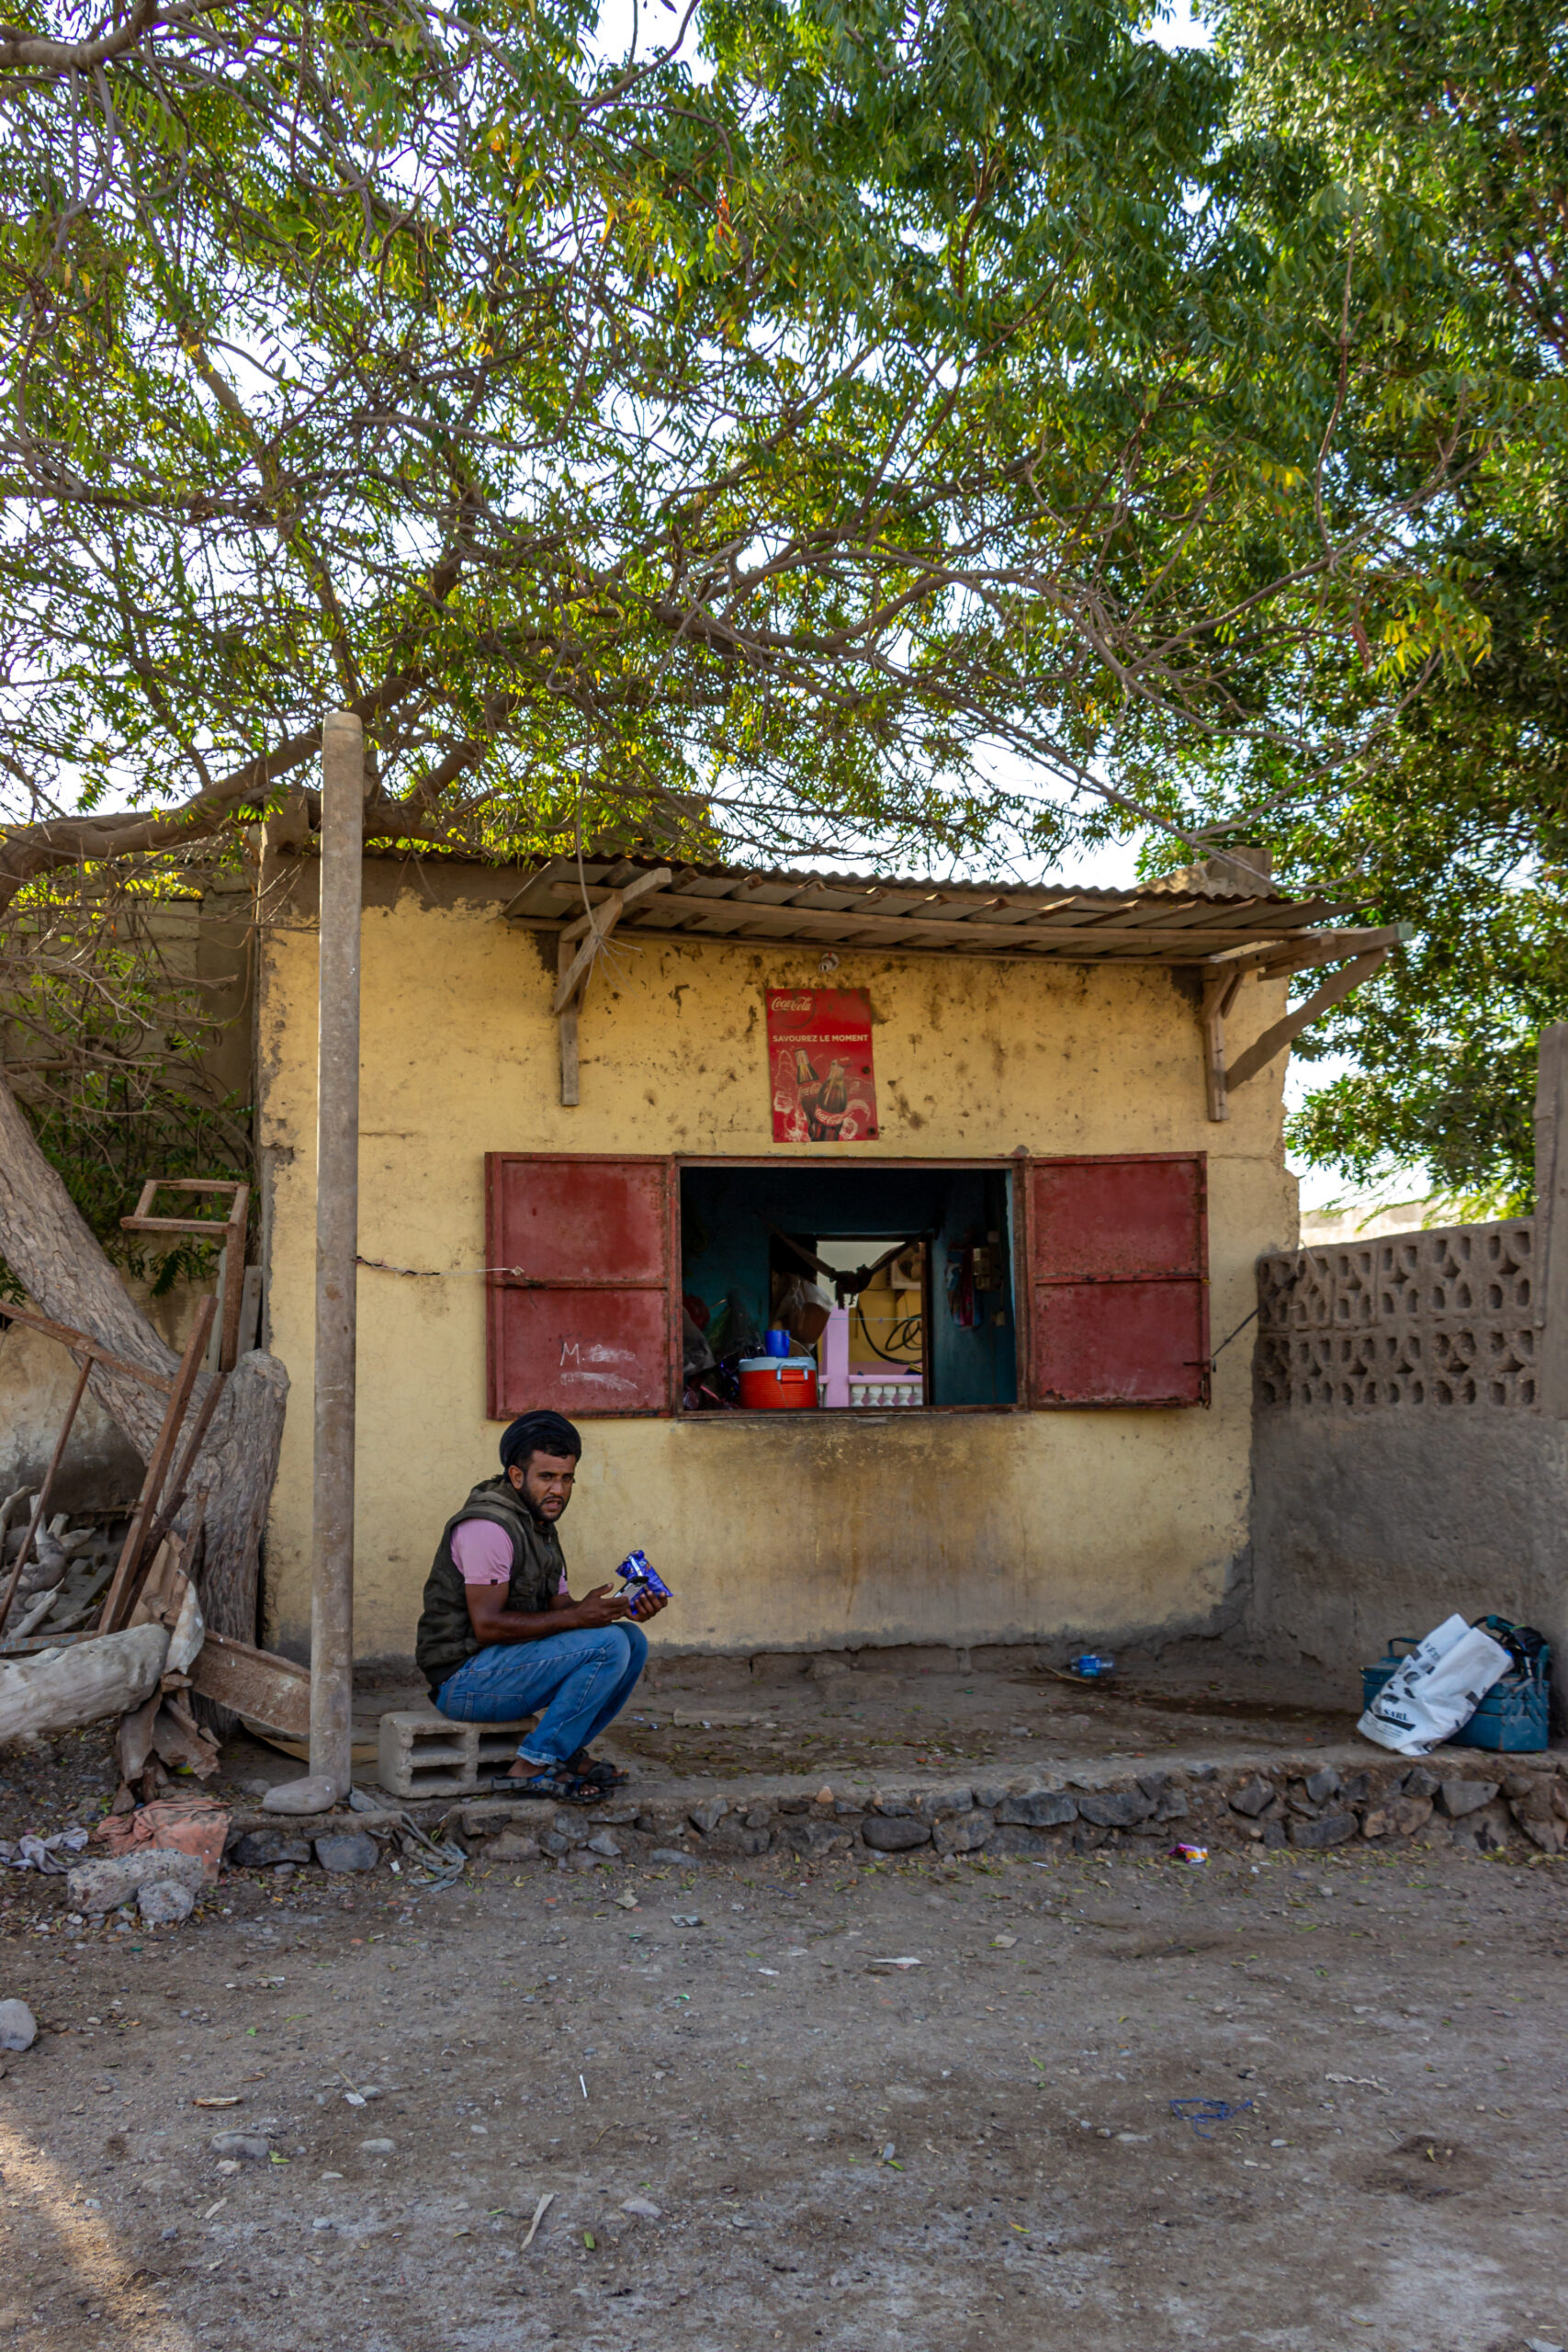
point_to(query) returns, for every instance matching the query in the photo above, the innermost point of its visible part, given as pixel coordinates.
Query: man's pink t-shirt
(481, 1552)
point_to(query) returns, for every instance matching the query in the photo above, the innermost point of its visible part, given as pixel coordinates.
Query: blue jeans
(581, 1680)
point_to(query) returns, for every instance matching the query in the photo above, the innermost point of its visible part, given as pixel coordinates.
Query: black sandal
(591, 1769)
(555, 1784)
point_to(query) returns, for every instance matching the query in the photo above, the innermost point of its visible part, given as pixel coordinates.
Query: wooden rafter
(1225, 974)
(1258, 1055)
(574, 964)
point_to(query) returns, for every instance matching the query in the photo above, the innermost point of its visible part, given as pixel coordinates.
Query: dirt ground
(891, 1714)
(980, 2149)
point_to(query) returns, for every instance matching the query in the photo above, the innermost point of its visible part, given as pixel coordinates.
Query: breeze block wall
(1405, 1463)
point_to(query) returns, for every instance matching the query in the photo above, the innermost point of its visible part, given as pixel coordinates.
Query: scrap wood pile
(91, 1630)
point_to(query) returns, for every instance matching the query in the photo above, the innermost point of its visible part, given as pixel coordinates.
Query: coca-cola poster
(819, 1064)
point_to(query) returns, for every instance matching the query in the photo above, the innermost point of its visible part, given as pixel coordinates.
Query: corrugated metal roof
(1188, 917)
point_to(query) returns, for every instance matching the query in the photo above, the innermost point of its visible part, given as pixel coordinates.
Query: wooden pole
(337, 1241)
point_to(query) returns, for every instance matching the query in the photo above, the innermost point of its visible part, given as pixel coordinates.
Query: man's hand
(648, 1604)
(603, 1606)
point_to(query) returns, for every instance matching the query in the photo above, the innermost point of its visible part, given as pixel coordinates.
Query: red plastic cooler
(777, 1384)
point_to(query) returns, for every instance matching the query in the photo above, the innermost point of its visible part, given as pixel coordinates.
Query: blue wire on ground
(1199, 2111)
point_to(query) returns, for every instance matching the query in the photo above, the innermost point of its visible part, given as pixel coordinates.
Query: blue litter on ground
(1199, 2111)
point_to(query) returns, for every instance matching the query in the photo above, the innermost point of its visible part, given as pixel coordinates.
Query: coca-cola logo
(791, 1003)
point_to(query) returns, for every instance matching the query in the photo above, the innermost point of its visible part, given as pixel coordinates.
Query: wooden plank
(570, 1094)
(641, 886)
(270, 1689)
(1259, 1055)
(157, 1468)
(1280, 959)
(81, 1343)
(231, 1231)
(1219, 995)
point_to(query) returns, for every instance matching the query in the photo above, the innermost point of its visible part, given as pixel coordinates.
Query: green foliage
(1440, 129)
(105, 1043)
(628, 441)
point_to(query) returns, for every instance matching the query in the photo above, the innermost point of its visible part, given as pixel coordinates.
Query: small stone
(1461, 1797)
(1422, 1783)
(251, 2147)
(1041, 1809)
(1252, 1796)
(18, 2026)
(105, 1885)
(896, 1836)
(641, 2209)
(964, 1833)
(816, 1838)
(1323, 1784)
(376, 2147)
(607, 1844)
(1400, 1817)
(892, 1802)
(1114, 1808)
(581, 1859)
(931, 1804)
(670, 1854)
(1332, 1830)
(313, 1793)
(165, 1903)
(513, 1845)
(759, 1817)
(347, 1849)
(708, 1814)
(263, 1849)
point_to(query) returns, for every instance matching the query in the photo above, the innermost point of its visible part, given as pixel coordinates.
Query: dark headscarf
(538, 1433)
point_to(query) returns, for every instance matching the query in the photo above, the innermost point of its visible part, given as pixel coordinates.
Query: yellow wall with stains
(812, 1531)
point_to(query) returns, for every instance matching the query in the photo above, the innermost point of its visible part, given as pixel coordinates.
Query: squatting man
(501, 1635)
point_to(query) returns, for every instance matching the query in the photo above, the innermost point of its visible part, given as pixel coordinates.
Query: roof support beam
(1219, 994)
(573, 969)
(1262, 1051)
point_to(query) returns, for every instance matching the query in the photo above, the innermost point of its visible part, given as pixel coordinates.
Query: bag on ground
(1435, 1691)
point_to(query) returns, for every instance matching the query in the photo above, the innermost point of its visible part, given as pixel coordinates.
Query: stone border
(1475, 1801)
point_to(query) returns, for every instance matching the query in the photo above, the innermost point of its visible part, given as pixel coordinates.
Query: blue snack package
(638, 1577)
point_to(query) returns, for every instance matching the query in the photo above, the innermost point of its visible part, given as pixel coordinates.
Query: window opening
(911, 1270)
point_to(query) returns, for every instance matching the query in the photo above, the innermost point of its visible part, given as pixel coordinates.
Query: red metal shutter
(585, 1324)
(1119, 1279)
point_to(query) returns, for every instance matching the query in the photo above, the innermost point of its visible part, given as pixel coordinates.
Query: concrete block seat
(420, 1754)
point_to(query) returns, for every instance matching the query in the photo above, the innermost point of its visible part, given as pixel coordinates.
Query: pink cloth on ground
(481, 1552)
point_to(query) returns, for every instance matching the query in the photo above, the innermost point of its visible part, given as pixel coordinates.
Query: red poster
(819, 1064)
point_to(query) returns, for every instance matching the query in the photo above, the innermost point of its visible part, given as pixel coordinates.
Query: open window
(916, 1261)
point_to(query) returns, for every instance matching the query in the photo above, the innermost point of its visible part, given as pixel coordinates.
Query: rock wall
(1503, 1805)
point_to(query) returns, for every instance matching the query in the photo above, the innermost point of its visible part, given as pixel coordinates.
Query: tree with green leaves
(1441, 130)
(737, 443)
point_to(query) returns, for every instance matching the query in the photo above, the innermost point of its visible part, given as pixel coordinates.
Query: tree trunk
(48, 1245)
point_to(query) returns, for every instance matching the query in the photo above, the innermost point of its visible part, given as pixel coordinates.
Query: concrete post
(337, 1241)
(1550, 1248)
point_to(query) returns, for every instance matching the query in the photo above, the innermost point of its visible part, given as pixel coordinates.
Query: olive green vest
(447, 1637)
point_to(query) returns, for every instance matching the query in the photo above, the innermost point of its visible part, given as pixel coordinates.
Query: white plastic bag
(1435, 1691)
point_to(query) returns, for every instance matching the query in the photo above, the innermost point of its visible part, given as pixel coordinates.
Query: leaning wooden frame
(148, 1524)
